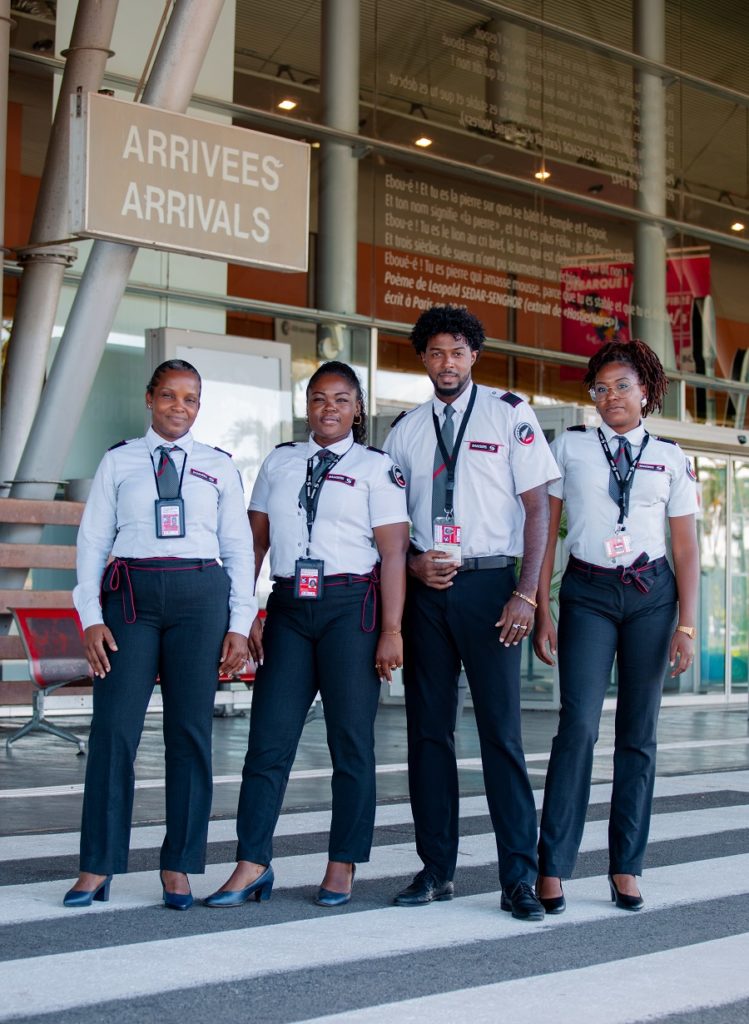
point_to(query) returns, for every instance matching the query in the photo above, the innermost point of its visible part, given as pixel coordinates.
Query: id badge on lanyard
(620, 542)
(170, 512)
(446, 532)
(309, 579)
(447, 537)
(170, 518)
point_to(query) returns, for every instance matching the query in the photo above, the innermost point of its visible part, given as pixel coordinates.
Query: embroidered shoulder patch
(524, 433)
(690, 469)
(396, 475)
(511, 398)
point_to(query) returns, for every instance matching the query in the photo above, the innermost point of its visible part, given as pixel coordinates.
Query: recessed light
(315, 144)
(737, 226)
(543, 174)
(423, 141)
(287, 105)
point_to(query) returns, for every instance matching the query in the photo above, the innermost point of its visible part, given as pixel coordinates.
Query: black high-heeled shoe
(552, 904)
(175, 900)
(328, 898)
(622, 899)
(85, 897)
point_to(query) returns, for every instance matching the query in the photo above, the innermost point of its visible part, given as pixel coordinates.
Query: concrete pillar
(339, 171)
(170, 86)
(46, 257)
(5, 25)
(650, 244)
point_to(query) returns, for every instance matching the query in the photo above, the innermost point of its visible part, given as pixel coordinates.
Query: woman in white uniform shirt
(621, 487)
(332, 531)
(166, 508)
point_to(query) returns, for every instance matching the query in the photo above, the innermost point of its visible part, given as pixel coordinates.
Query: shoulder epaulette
(118, 445)
(578, 426)
(216, 448)
(511, 399)
(286, 444)
(398, 418)
(666, 440)
(371, 448)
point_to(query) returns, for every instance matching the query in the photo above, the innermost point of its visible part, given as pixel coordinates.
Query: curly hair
(642, 359)
(171, 366)
(343, 370)
(455, 320)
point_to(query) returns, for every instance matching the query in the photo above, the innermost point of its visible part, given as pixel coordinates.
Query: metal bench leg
(38, 723)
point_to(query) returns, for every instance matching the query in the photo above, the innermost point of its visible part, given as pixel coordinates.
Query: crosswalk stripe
(145, 837)
(465, 763)
(75, 979)
(651, 987)
(42, 900)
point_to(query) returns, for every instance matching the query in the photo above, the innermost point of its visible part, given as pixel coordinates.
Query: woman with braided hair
(619, 600)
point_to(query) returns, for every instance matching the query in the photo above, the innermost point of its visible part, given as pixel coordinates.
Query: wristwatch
(690, 631)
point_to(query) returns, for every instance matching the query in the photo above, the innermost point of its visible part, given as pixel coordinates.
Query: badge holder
(309, 579)
(618, 545)
(447, 535)
(170, 518)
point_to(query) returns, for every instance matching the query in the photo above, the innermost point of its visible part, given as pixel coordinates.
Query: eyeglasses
(600, 391)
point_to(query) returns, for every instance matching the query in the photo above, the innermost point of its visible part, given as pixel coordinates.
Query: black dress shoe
(522, 903)
(424, 889)
(623, 900)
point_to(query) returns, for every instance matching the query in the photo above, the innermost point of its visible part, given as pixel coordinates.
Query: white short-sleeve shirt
(119, 519)
(362, 490)
(663, 487)
(503, 453)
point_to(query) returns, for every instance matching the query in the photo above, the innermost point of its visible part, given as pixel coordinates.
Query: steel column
(46, 257)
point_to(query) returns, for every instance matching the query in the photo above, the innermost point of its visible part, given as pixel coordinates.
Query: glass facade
(567, 172)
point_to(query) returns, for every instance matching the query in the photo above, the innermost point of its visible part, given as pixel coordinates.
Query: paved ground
(682, 959)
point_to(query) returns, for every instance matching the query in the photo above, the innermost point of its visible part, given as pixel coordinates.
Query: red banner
(597, 305)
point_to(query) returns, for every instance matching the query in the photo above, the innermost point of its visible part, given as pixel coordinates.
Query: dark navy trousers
(311, 646)
(600, 619)
(443, 628)
(181, 620)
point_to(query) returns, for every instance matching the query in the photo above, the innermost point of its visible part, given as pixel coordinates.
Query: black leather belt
(486, 562)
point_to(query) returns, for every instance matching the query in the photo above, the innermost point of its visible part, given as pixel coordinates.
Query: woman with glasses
(623, 490)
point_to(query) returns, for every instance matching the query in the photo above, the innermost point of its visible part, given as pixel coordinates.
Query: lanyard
(625, 483)
(451, 461)
(181, 476)
(312, 490)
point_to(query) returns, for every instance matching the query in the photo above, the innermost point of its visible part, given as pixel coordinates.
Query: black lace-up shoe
(522, 903)
(424, 889)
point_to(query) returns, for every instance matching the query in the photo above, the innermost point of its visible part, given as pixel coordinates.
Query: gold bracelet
(391, 632)
(524, 597)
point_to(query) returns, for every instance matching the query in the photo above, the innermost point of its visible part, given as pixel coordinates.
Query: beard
(452, 390)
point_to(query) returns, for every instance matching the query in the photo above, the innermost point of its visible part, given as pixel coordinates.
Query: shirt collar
(459, 405)
(339, 448)
(154, 441)
(634, 437)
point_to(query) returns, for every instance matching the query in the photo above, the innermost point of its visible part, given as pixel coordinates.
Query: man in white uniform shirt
(476, 465)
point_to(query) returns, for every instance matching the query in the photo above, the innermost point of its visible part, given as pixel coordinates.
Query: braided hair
(455, 320)
(343, 370)
(171, 366)
(642, 359)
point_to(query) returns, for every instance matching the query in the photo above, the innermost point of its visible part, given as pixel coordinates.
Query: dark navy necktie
(167, 477)
(623, 460)
(439, 476)
(325, 458)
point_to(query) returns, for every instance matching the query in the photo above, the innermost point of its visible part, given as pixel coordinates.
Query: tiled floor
(691, 740)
